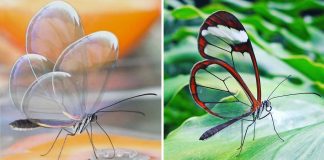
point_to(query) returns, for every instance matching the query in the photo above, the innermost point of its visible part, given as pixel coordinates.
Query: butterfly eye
(268, 108)
(94, 118)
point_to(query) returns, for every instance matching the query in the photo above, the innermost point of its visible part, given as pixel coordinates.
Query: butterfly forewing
(222, 36)
(52, 29)
(218, 91)
(48, 107)
(89, 61)
(22, 75)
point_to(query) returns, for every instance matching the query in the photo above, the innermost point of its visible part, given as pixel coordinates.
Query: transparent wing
(52, 108)
(22, 75)
(218, 89)
(222, 36)
(52, 29)
(89, 61)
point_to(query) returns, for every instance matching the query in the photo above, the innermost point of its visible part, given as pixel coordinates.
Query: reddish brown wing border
(227, 19)
(203, 65)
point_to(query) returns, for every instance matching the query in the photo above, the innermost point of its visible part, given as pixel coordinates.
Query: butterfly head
(266, 105)
(94, 118)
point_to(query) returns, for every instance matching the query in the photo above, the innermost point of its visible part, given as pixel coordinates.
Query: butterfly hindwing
(44, 105)
(219, 89)
(22, 75)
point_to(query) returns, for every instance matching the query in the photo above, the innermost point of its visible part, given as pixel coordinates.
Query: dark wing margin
(223, 33)
(199, 98)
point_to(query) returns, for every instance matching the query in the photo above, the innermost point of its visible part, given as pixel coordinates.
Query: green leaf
(275, 16)
(298, 28)
(188, 12)
(317, 39)
(319, 87)
(298, 120)
(211, 8)
(239, 4)
(296, 44)
(184, 32)
(302, 6)
(261, 25)
(173, 85)
(185, 51)
(318, 22)
(180, 108)
(307, 141)
(303, 64)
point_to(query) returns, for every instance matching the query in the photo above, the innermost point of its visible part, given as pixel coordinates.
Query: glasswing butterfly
(59, 83)
(217, 82)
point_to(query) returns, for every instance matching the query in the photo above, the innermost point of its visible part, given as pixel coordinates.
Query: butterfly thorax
(80, 126)
(265, 105)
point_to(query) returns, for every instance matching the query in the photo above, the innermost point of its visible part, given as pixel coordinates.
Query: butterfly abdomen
(220, 127)
(209, 133)
(216, 129)
(23, 124)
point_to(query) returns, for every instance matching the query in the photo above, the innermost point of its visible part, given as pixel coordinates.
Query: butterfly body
(257, 115)
(80, 126)
(27, 124)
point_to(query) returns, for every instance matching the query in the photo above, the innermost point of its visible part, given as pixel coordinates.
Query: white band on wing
(229, 35)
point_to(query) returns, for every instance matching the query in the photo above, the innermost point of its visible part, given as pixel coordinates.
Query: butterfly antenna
(295, 94)
(140, 95)
(112, 145)
(278, 86)
(137, 112)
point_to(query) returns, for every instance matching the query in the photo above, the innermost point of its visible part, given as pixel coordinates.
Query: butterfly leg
(247, 128)
(52, 144)
(93, 147)
(69, 134)
(249, 120)
(274, 127)
(254, 130)
(264, 116)
(112, 145)
(91, 134)
(241, 134)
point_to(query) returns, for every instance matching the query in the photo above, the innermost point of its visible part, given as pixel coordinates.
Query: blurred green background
(287, 38)
(291, 32)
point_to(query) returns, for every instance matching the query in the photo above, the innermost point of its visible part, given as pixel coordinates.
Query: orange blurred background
(128, 19)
